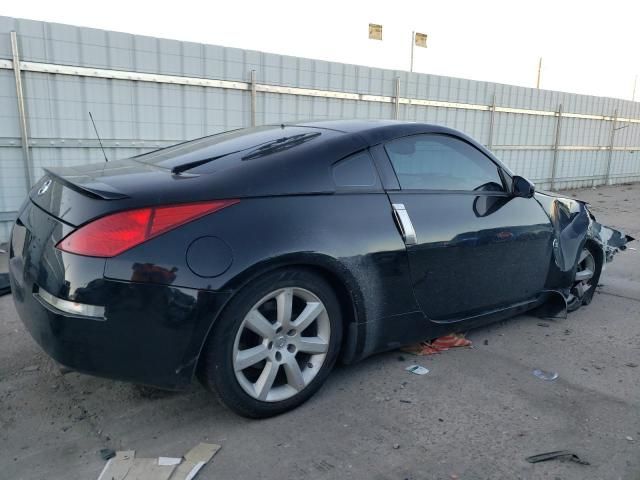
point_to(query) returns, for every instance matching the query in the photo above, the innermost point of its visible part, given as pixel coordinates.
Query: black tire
(216, 369)
(577, 301)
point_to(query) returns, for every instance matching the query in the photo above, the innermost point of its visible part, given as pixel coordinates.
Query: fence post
(254, 100)
(556, 144)
(492, 111)
(21, 110)
(612, 138)
(396, 100)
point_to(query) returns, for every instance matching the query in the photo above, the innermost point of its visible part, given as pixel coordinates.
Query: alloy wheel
(281, 344)
(585, 271)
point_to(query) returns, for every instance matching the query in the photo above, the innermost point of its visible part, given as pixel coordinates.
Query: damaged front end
(581, 248)
(610, 240)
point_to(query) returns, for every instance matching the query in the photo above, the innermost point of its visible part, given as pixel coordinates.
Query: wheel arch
(330, 269)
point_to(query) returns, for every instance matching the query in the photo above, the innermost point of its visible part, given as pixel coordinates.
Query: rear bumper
(151, 335)
(148, 334)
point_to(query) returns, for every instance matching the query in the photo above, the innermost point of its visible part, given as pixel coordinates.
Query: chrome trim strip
(404, 222)
(267, 88)
(67, 306)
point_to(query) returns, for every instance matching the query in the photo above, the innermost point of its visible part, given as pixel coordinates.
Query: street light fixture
(375, 31)
(417, 40)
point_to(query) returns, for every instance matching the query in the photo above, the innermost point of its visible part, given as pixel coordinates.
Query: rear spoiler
(87, 186)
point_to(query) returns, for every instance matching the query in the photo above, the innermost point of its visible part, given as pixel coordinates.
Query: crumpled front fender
(573, 225)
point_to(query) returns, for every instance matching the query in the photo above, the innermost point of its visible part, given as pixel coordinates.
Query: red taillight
(112, 234)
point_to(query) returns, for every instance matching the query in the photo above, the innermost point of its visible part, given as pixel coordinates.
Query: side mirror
(522, 187)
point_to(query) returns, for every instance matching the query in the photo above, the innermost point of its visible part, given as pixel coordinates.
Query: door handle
(404, 224)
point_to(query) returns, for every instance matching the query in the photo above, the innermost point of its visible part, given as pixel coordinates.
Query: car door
(473, 247)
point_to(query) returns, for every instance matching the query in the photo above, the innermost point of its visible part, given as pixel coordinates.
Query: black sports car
(256, 258)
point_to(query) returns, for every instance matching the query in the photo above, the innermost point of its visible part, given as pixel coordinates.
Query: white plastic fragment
(545, 375)
(417, 369)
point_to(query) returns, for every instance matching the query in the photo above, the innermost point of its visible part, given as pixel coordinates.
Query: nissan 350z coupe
(256, 258)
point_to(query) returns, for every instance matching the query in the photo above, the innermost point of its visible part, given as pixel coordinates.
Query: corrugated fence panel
(69, 71)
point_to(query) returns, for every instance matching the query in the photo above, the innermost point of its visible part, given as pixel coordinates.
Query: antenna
(97, 135)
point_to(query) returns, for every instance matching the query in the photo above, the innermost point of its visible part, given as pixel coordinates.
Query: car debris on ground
(545, 375)
(125, 465)
(559, 454)
(417, 369)
(440, 344)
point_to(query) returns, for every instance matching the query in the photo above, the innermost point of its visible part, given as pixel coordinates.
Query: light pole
(413, 44)
(539, 73)
(417, 39)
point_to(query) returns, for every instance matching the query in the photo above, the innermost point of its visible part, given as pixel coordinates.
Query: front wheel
(585, 280)
(275, 343)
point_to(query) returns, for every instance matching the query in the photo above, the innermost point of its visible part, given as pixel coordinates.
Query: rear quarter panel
(351, 235)
(354, 233)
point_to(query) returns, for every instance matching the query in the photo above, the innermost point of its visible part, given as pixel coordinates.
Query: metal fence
(149, 92)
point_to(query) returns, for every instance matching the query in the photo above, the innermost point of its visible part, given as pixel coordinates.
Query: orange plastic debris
(438, 345)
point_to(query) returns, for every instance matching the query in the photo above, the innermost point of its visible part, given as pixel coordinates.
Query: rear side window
(442, 162)
(355, 171)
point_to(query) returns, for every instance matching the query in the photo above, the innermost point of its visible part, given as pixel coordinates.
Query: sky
(589, 47)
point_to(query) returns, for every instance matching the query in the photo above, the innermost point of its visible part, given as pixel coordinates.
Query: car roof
(373, 132)
(349, 126)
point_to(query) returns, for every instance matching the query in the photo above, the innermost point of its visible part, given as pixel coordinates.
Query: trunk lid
(78, 194)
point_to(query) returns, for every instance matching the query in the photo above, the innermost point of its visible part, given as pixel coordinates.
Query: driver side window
(442, 162)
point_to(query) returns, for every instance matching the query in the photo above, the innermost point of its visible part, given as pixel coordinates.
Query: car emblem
(45, 186)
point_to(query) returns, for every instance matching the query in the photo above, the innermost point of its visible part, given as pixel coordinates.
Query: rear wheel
(585, 280)
(275, 343)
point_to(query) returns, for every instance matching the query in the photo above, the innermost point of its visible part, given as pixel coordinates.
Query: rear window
(243, 144)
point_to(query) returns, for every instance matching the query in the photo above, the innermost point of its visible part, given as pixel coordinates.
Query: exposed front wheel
(275, 343)
(585, 280)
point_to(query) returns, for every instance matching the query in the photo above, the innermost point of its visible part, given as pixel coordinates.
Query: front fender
(574, 225)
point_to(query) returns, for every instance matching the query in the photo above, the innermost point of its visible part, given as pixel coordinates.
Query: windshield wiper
(280, 144)
(259, 150)
(178, 169)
